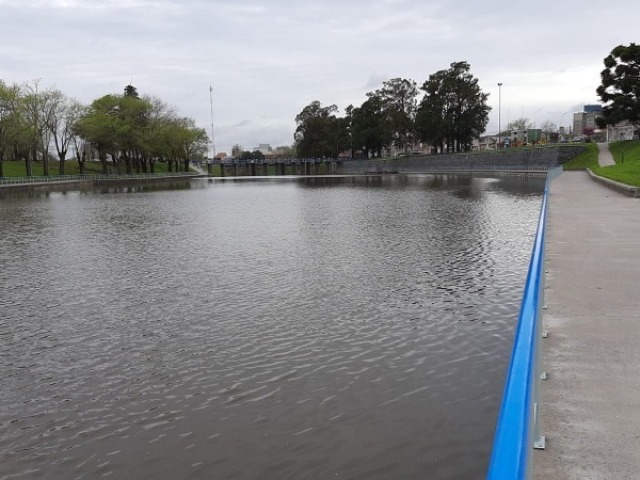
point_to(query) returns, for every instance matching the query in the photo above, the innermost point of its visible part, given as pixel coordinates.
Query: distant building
(485, 142)
(529, 135)
(263, 148)
(236, 151)
(586, 120)
(621, 131)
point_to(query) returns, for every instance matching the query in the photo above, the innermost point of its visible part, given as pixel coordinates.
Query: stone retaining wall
(540, 158)
(612, 184)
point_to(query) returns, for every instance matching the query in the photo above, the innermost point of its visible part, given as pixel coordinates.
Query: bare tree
(550, 131)
(37, 107)
(61, 116)
(522, 123)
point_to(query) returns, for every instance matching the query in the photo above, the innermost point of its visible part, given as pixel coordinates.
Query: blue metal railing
(518, 428)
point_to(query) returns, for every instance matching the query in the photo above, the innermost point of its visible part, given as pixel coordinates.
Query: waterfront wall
(77, 181)
(533, 159)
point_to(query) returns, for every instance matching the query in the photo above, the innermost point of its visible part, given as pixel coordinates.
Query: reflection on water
(103, 187)
(147, 186)
(304, 328)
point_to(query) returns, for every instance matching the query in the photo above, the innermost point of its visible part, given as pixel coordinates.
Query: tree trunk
(143, 163)
(81, 161)
(103, 159)
(27, 161)
(117, 164)
(62, 156)
(45, 161)
(127, 162)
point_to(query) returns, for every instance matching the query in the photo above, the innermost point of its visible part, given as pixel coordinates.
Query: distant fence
(518, 427)
(53, 179)
(392, 167)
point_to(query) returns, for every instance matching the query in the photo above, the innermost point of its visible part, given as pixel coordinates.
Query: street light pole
(560, 126)
(499, 110)
(213, 145)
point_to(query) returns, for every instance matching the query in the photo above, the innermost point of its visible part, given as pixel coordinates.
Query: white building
(620, 131)
(263, 148)
(486, 142)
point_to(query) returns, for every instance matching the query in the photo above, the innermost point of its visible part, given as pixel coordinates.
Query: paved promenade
(591, 398)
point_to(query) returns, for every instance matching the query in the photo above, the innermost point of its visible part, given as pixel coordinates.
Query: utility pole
(213, 145)
(499, 110)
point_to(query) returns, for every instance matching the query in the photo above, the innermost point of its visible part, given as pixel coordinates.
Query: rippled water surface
(354, 328)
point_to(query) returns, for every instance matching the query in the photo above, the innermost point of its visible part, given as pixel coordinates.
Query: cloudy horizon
(266, 62)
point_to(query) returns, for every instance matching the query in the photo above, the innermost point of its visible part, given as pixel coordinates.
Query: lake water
(298, 328)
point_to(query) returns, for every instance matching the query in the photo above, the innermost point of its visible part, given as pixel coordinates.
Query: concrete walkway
(591, 398)
(605, 159)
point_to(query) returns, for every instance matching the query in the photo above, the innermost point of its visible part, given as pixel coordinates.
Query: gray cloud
(266, 61)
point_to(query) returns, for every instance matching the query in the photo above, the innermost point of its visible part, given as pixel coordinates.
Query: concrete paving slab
(605, 159)
(591, 399)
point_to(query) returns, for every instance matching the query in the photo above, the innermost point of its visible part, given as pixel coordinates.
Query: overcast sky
(267, 60)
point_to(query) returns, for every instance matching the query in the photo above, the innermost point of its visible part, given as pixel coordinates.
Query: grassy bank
(627, 167)
(13, 168)
(588, 159)
(626, 155)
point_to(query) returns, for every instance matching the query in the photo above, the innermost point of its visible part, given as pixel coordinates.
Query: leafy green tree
(131, 91)
(339, 136)
(132, 122)
(453, 110)
(100, 127)
(315, 134)
(184, 141)
(248, 155)
(399, 105)
(160, 121)
(9, 119)
(124, 129)
(620, 87)
(370, 126)
(196, 143)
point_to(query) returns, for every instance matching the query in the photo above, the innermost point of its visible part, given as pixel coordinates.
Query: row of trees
(451, 113)
(129, 132)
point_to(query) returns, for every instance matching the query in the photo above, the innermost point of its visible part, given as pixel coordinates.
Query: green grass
(13, 168)
(627, 168)
(588, 159)
(626, 155)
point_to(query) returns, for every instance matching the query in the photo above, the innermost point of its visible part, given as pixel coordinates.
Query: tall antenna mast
(213, 145)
